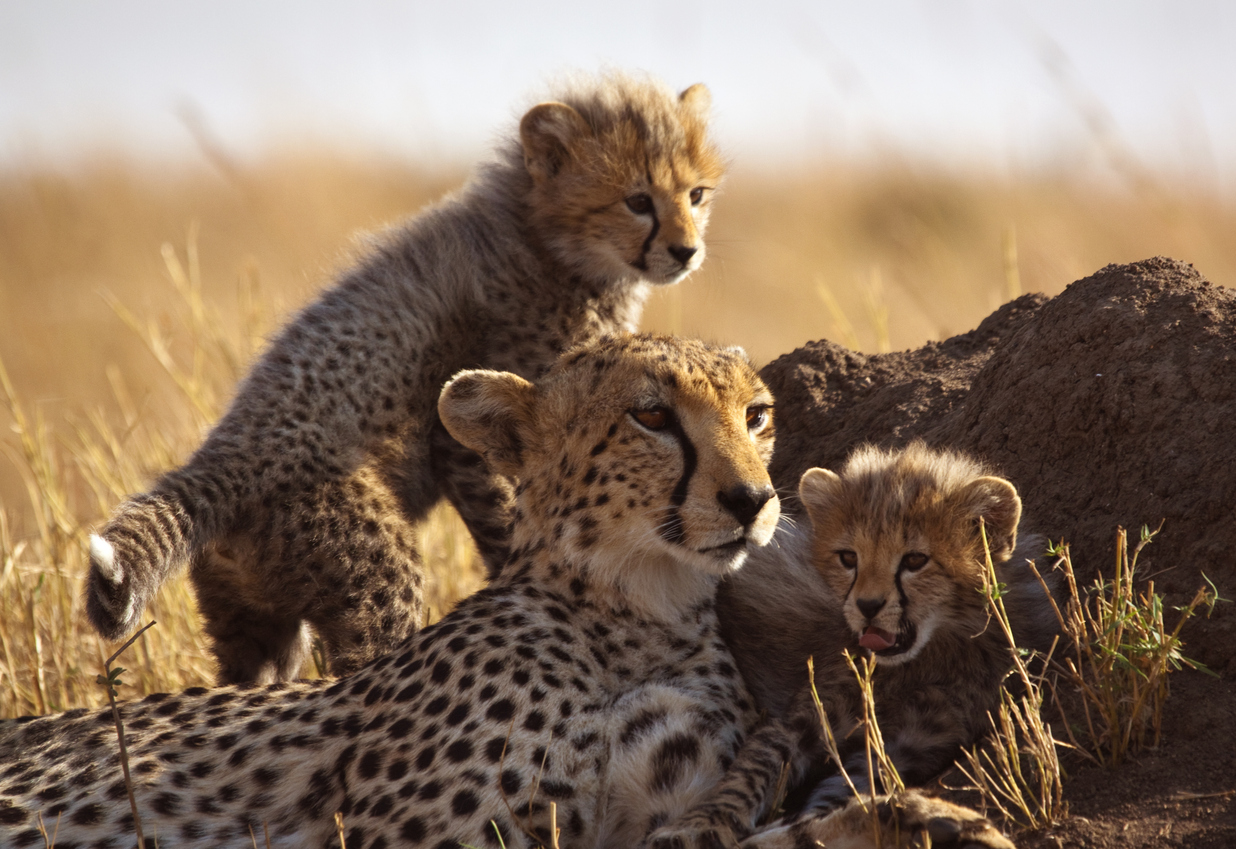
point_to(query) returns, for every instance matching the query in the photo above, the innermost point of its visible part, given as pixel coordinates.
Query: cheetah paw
(909, 820)
(947, 825)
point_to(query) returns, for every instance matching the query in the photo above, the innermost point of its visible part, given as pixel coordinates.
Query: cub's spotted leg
(345, 562)
(250, 644)
(905, 821)
(484, 500)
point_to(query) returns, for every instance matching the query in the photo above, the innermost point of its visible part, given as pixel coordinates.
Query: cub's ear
(697, 100)
(548, 133)
(819, 491)
(489, 412)
(995, 500)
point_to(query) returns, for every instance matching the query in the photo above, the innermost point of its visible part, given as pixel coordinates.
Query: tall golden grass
(133, 297)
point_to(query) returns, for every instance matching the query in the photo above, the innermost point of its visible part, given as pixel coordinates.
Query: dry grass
(132, 298)
(1017, 769)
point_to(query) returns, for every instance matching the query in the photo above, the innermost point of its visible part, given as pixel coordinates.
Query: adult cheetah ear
(548, 132)
(995, 500)
(697, 100)
(488, 412)
(819, 490)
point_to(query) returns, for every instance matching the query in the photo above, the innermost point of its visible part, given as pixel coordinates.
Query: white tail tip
(103, 558)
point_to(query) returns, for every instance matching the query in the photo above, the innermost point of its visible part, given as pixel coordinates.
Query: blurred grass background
(132, 297)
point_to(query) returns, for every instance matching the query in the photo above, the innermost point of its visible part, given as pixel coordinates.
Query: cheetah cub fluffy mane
(299, 509)
(589, 674)
(891, 567)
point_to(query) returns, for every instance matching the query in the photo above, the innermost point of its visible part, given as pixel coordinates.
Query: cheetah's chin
(726, 557)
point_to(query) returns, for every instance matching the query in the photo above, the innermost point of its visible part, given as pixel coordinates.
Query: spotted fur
(298, 511)
(589, 674)
(890, 568)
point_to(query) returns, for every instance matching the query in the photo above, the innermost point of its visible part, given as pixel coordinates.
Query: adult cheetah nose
(683, 254)
(869, 607)
(745, 501)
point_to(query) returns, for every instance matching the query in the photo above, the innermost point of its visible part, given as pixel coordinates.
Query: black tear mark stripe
(642, 262)
(672, 530)
(901, 594)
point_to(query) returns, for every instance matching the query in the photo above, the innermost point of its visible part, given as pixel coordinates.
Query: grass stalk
(110, 682)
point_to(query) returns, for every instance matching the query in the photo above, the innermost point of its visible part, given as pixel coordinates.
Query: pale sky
(1009, 82)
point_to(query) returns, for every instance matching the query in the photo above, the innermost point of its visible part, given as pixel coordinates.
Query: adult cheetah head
(640, 458)
(897, 535)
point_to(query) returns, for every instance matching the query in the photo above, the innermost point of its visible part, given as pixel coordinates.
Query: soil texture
(1110, 405)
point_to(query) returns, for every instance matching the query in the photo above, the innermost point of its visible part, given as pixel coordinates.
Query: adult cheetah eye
(758, 416)
(914, 560)
(849, 559)
(653, 418)
(640, 204)
(697, 195)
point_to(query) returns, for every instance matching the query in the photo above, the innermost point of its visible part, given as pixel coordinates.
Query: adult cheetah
(298, 511)
(586, 686)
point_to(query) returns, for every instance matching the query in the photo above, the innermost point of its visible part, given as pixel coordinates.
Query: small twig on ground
(110, 682)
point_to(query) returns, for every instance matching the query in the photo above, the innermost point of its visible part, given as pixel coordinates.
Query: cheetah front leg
(904, 821)
(745, 793)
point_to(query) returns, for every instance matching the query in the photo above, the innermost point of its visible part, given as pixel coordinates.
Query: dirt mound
(1111, 404)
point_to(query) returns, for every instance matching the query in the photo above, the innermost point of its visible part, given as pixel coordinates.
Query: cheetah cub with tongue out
(891, 567)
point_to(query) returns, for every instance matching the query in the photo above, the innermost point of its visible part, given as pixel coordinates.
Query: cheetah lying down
(587, 686)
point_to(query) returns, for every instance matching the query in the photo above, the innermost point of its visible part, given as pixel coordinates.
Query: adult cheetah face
(897, 536)
(639, 455)
(623, 193)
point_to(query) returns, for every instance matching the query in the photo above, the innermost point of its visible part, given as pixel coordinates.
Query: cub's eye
(640, 204)
(653, 418)
(849, 559)
(697, 195)
(914, 561)
(758, 415)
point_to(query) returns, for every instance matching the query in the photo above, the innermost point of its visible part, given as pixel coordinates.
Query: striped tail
(148, 539)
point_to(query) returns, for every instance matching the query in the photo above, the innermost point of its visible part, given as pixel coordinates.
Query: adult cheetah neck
(672, 595)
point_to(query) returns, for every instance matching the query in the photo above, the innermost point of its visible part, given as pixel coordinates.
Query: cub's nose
(869, 607)
(682, 253)
(745, 501)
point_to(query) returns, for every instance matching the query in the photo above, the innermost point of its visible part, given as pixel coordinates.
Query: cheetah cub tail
(130, 558)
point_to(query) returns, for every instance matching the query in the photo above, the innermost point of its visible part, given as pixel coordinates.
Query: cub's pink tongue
(876, 639)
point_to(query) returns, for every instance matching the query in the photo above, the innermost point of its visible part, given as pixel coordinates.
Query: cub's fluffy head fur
(897, 536)
(622, 177)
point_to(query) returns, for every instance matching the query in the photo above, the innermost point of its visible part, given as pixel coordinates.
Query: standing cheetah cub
(895, 539)
(298, 510)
